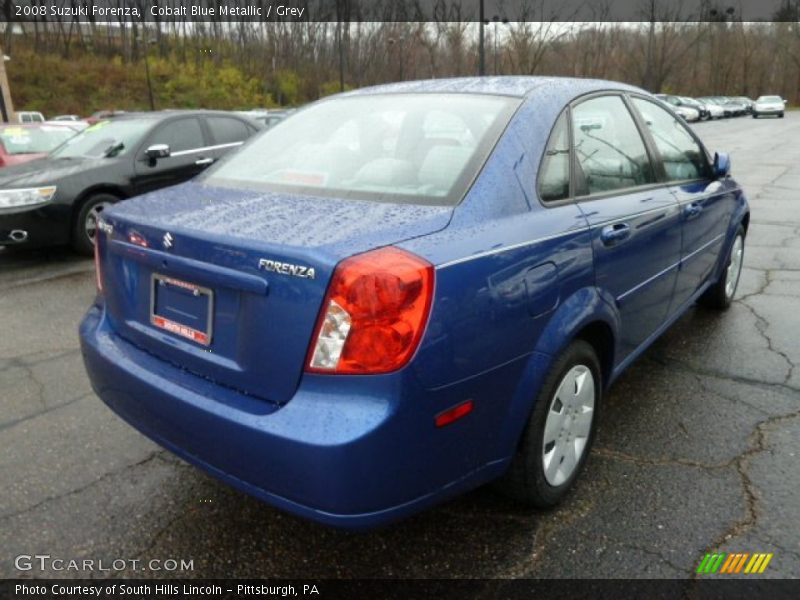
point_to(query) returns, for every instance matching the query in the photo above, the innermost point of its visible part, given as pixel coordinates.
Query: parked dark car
(56, 200)
(737, 107)
(747, 102)
(404, 292)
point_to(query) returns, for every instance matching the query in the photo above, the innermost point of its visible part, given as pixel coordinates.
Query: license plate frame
(198, 336)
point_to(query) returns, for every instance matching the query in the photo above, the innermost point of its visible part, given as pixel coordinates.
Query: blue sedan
(402, 293)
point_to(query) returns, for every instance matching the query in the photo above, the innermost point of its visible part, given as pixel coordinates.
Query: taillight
(374, 313)
(97, 273)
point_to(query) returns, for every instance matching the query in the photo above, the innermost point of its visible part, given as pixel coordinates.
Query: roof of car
(520, 86)
(164, 114)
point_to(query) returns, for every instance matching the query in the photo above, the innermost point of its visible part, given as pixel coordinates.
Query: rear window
(414, 148)
(770, 99)
(33, 140)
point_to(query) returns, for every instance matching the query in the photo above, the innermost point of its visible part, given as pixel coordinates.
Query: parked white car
(687, 114)
(769, 105)
(715, 110)
(30, 116)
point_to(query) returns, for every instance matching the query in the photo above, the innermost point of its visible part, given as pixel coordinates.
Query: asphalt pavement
(697, 449)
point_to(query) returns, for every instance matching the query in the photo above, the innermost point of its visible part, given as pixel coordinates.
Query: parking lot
(697, 449)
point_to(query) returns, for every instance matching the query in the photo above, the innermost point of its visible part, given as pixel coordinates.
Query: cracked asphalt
(697, 450)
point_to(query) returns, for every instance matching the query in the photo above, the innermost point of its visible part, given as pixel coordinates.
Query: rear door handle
(692, 210)
(203, 162)
(613, 234)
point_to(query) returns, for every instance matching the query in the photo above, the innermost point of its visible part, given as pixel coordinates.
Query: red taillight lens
(374, 314)
(97, 273)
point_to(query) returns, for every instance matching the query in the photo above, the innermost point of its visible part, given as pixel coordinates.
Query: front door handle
(692, 210)
(203, 162)
(613, 234)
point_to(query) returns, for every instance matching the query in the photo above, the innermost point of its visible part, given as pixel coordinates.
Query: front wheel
(560, 431)
(720, 295)
(84, 229)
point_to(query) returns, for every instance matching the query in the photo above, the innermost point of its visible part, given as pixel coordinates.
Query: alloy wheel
(90, 225)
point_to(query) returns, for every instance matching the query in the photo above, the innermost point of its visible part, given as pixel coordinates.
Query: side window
(609, 151)
(682, 156)
(227, 131)
(554, 172)
(180, 135)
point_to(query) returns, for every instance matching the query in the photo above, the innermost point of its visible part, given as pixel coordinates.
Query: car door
(634, 219)
(188, 147)
(705, 206)
(226, 133)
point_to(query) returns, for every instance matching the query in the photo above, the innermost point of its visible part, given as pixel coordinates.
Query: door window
(225, 130)
(682, 156)
(610, 154)
(180, 135)
(554, 172)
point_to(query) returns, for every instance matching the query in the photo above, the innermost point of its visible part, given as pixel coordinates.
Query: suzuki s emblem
(282, 268)
(167, 240)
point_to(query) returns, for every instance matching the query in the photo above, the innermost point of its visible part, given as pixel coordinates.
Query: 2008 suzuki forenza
(404, 292)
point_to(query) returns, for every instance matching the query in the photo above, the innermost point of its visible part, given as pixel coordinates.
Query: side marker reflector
(454, 414)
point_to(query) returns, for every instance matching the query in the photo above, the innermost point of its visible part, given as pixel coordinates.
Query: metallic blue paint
(515, 281)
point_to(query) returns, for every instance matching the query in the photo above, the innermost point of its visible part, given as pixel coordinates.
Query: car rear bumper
(41, 226)
(768, 111)
(344, 458)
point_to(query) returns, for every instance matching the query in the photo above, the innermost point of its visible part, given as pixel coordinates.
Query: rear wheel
(560, 431)
(84, 229)
(720, 295)
(781, 115)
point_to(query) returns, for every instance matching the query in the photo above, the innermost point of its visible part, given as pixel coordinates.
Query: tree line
(62, 67)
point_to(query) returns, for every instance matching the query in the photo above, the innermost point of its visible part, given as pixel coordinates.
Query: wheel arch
(84, 197)
(600, 336)
(586, 315)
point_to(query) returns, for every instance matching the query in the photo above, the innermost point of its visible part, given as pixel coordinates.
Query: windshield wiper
(113, 150)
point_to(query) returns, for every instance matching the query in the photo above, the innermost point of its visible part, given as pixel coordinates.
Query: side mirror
(722, 165)
(156, 151)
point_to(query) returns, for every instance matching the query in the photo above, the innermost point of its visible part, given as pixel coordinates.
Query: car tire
(755, 116)
(84, 227)
(720, 295)
(573, 384)
(781, 115)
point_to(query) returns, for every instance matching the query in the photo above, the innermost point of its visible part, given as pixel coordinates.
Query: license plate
(182, 308)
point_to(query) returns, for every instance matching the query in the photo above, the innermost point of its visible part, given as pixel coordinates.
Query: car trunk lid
(228, 284)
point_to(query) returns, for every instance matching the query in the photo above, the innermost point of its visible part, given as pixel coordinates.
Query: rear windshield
(33, 140)
(413, 148)
(770, 99)
(105, 138)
